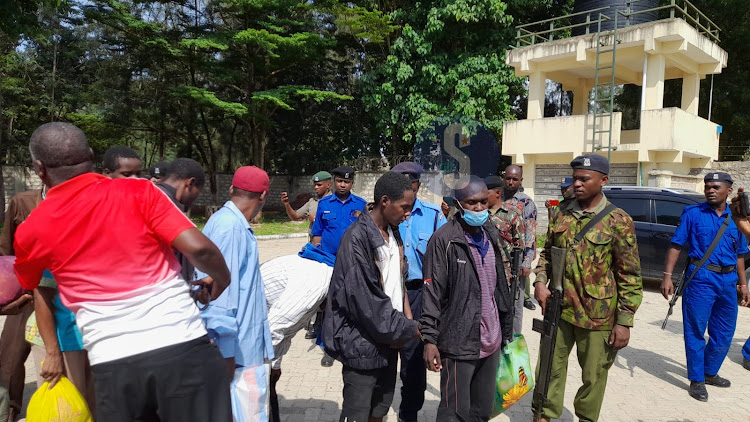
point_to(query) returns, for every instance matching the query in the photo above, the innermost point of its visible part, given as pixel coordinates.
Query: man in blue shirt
(710, 299)
(415, 231)
(237, 321)
(337, 212)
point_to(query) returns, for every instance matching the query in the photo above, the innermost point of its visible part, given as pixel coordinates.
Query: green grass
(271, 224)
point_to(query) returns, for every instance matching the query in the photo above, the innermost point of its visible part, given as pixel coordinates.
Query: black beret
(718, 176)
(494, 182)
(344, 172)
(591, 162)
(410, 168)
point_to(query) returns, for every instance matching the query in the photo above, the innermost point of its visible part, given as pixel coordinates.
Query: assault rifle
(548, 328)
(516, 259)
(679, 289)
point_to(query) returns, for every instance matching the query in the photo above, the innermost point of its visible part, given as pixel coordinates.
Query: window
(668, 212)
(637, 208)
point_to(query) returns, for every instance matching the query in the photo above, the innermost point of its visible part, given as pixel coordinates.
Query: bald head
(513, 178)
(58, 145)
(474, 187)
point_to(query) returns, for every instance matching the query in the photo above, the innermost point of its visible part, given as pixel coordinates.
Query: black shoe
(312, 332)
(698, 391)
(327, 361)
(528, 304)
(746, 363)
(718, 381)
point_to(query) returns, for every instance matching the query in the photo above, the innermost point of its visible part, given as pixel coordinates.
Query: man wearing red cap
(237, 321)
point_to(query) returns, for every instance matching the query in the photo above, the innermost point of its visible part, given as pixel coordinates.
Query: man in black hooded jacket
(367, 317)
(467, 309)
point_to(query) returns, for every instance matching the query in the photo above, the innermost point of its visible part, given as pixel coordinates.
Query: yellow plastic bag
(63, 403)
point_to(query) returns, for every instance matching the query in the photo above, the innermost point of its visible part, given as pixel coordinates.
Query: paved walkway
(647, 382)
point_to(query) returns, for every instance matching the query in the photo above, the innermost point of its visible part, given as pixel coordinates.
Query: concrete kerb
(281, 236)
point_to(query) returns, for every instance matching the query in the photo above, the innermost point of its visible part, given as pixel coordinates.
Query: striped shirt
(484, 259)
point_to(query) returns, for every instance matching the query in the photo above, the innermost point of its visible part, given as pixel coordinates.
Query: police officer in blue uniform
(710, 299)
(337, 212)
(416, 231)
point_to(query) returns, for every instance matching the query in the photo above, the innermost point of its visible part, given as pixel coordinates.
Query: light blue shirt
(237, 321)
(416, 232)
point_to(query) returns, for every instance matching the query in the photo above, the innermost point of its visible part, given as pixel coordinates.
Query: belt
(414, 284)
(714, 268)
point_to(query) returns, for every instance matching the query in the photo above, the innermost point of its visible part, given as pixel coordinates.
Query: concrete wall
(19, 179)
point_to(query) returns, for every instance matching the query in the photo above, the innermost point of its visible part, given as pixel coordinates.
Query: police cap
(409, 168)
(566, 182)
(494, 182)
(718, 176)
(591, 162)
(321, 176)
(344, 172)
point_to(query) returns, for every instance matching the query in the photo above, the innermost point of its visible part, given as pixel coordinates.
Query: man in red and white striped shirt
(109, 245)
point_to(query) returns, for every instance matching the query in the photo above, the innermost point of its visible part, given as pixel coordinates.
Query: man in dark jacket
(466, 310)
(182, 181)
(366, 316)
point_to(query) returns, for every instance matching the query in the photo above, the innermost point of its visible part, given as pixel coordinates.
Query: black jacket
(360, 324)
(451, 301)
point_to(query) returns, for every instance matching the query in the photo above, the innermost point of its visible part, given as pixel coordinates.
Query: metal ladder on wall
(604, 89)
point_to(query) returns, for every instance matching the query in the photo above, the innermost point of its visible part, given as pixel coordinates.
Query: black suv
(656, 212)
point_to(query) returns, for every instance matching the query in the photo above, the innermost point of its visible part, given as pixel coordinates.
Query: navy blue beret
(344, 172)
(718, 176)
(494, 182)
(410, 168)
(566, 182)
(591, 162)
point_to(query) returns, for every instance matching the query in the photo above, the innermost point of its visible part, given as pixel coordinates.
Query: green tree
(448, 59)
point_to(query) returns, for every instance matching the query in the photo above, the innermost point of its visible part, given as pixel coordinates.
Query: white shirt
(389, 263)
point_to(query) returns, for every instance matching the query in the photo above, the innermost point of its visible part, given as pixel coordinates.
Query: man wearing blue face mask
(467, 307)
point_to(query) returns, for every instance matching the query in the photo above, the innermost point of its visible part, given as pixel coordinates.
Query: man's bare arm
(206, 257)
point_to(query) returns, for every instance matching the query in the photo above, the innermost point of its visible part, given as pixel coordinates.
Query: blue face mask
(473, 218)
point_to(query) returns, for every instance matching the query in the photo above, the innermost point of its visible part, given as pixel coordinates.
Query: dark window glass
(668, 212)
(637, 208)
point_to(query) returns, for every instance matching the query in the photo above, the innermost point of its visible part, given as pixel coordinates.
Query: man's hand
(541, 293)
(203, 293)
(15, 307)
(52, 368)
(525, 271)
(667, 287)
(432, 357)
(231, 366)
(445, 208)
(548, 204)
(620, 337)
(745, 295)
(284, 198)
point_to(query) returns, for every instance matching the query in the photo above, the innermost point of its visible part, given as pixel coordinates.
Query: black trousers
(14, 349)
(368, 392)
(181, 383)
(467, 389)
(413, 371)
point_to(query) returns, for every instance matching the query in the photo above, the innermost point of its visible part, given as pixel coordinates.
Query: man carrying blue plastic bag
(237, 321)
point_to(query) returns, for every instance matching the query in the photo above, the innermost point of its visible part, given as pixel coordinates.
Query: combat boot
(698, 391)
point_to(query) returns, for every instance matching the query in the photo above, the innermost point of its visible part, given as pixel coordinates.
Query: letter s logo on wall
(453, 135)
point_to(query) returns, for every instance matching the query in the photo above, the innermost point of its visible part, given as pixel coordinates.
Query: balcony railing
(559, 27)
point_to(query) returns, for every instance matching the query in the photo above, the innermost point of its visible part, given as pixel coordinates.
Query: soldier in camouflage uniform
(509, 222)
(602, 288)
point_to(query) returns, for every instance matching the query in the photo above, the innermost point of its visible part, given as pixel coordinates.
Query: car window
(637, 208)
(668, 212)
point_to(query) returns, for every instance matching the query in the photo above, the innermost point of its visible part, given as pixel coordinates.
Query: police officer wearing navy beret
(415, 231)
(710, 298)
(335, 214)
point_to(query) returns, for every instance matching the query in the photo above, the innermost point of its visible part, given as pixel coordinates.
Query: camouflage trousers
(595, 357)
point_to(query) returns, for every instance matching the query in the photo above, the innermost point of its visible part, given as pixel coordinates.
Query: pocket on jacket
(599, 253)
(424, 239)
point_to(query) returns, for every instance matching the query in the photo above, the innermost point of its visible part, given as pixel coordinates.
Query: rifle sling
(596, 219)
(708, 253)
